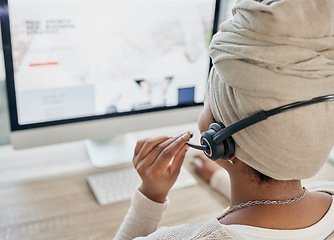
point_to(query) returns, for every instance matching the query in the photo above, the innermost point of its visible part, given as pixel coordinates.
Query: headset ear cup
(228, 149)
(217, 126)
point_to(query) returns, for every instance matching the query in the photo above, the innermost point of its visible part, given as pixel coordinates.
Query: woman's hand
(205, 167)
(158, 162)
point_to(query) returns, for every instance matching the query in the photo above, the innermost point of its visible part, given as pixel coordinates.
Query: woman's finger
(139, 145)
(156, 151)
(178, 159)
(151, 156)
(144, 148)
(169, 152)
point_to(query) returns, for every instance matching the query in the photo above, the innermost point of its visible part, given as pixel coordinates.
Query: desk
(44, 195)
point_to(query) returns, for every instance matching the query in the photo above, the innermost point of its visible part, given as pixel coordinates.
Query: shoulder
(211, 229)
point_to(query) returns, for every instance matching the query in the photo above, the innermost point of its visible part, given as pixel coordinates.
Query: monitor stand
(110, 152)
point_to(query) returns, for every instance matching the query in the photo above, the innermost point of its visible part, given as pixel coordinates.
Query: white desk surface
(44, 195)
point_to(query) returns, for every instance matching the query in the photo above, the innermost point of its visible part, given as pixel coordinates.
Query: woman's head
(263, 65)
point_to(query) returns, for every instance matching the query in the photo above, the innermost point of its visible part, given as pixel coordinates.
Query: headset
(217, 142)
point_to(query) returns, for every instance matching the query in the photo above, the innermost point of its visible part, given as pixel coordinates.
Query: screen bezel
(11, 94)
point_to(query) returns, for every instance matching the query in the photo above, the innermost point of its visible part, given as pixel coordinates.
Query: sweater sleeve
(322, 186)
(142, 218)
(220, 181)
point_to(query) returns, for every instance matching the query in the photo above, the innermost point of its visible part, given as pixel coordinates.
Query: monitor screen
(74, 64)
(73, 59)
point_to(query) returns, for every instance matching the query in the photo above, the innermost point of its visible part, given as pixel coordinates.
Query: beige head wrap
(271, 53)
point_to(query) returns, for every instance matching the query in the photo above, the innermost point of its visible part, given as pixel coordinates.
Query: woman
(271, 53)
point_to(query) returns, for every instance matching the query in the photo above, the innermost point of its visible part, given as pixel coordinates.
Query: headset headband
(260, 116)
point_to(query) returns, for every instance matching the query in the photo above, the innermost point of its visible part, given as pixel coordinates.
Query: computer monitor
(101, 69)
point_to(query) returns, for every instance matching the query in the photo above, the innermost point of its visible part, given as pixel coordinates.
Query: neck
(247, 187)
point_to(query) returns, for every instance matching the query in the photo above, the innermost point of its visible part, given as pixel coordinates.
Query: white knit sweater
(144, 215)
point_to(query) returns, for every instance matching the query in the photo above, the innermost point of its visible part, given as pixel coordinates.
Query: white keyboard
(119, 185)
